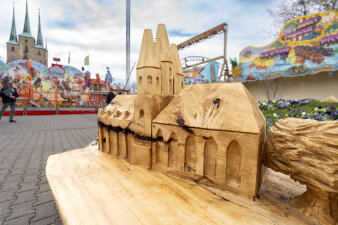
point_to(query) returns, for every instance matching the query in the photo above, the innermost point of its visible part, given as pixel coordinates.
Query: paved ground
(25, 197)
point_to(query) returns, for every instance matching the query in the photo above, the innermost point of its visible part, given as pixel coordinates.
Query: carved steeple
(13, 39)
(27, 27)
(148, 55)
(39, 41)
(163, 45)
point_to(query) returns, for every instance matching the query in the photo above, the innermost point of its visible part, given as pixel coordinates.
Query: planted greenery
(304, 108)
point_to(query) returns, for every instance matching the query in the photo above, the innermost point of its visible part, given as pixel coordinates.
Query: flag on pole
(86, 60)
(69, 58)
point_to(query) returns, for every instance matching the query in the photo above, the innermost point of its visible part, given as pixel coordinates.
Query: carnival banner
(203, 74)
(42, 85)
(306, 45)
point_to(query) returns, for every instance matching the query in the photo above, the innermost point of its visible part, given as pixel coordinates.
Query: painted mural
(203, 74)
(306, 45)
(46, 87)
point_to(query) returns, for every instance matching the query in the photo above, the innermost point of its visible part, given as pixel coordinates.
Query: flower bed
(304, 108)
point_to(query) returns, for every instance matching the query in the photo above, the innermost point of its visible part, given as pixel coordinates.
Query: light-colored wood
(165, 57)
(213, 132)
(308, 151)
(196, 108)
(162, 44)
(91, 187)
(119, 113)
(148, 68)
(192, 161)
(178, 72)
(159, 70)
(330, 98)
(148, 54)
(146, 108)
(211, 135)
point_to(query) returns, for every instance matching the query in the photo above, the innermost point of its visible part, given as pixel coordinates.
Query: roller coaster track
(193, 59)
(224, 71)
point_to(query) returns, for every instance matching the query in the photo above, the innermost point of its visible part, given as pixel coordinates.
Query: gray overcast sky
(97, 27)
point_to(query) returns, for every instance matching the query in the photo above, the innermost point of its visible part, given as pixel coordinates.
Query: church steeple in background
(13, 39)
(27, 26)
(24, 46)
(39, 41)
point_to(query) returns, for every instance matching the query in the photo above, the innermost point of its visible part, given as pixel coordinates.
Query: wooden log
(307, 151)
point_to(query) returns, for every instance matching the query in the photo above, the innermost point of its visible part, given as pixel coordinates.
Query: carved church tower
(148, 67)
(159, 71)
(178, 72)
(165, 57)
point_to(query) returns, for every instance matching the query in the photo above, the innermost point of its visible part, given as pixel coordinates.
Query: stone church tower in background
(25, 47)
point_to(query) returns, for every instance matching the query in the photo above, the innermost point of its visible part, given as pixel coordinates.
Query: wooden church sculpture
(170, 155)
(210, 132)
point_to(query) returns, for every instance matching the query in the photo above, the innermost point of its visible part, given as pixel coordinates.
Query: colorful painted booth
(306, 46)
(58, 86)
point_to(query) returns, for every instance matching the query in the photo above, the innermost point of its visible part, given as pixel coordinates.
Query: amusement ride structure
(200, 60)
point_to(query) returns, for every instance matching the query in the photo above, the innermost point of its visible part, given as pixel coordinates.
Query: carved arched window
(149, 81)
(13, 49)
(190, 155)
(140, 81)
(210, 159)
(159, 147)
(141, 114)
(234, 164)
(173, 151)
(170, 86)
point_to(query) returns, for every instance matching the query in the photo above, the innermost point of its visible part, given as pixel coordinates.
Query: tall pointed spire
(13, 37)
(39, 41)
(27, 27)
(148, 55)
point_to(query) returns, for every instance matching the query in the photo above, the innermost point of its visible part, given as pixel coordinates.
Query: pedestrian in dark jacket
(9, 95)
(110, 97)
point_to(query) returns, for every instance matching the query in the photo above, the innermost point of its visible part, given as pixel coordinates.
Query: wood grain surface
(91, 187)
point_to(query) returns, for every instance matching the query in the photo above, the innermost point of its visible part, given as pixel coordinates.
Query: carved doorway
(190, 155)
(210, 159)
(172, 151)
(234, 164)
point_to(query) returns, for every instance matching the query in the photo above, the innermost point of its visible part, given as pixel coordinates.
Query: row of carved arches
(233, 159)
(167, 153)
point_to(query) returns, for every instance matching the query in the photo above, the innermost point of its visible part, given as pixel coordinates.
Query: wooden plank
(91, 187)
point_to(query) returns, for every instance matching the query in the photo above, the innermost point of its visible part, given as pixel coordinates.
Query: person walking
(9, 95)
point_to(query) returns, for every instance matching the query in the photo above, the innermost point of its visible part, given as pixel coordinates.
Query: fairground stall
(55, 89)
(301, 63)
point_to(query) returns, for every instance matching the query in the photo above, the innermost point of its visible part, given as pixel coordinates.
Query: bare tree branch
(291, 9)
